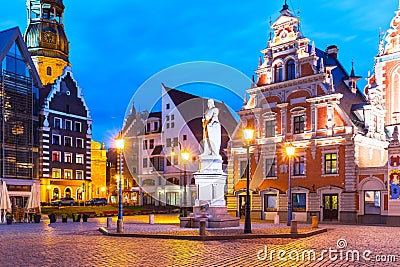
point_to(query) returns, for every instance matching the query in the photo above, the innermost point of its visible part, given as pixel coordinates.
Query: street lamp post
(290, 152)
(248, 137)
(185, 157)
(120, 146)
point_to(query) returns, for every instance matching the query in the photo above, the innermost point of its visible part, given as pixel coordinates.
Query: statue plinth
(210, 202)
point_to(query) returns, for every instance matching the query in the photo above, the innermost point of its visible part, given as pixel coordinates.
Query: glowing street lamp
(290, 150)
(119, 143)
(185, 155)
(248, 134)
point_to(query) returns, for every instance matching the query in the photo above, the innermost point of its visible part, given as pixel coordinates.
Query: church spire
(46, 39)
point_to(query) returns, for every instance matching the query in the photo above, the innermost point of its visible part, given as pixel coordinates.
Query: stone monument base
(215, 216)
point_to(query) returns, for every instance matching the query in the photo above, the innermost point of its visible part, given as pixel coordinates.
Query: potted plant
(52, 217)
(9, 218)
(37, 217)
(85, 217)
(64, 217)
(76, 217)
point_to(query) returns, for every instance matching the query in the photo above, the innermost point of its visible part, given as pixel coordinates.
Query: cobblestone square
(81, 244)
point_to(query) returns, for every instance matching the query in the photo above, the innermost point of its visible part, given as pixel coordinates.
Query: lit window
(56, 173)
(79, 175)
(68, 157)
(175, 141)
(67, 174)
(330, 163)
(168, 142)
(48, 71)
(56, 156)
(79, 158)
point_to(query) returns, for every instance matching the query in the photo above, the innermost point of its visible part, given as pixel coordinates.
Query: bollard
(151, 218)
(314, 222)
(109, 222)
(202, 227)
(276, 220)
(293, 227)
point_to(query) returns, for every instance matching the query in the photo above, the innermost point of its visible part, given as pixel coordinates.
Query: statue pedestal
(210, 203)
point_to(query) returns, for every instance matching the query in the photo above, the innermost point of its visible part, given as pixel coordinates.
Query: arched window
(290, 70)
(278, 73)
(56, 193)
(79, 193)
(49, 71)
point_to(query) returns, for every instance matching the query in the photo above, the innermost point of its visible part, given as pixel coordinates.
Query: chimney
(332, 51)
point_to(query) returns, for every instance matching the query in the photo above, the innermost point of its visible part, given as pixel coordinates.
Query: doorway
(330, 207)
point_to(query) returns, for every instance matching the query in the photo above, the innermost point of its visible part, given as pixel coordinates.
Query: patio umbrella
(34, 199)
(5, 203)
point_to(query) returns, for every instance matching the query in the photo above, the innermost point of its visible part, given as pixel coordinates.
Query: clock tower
(46, 38)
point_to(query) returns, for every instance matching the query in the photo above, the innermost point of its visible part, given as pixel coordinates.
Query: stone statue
(211, 131)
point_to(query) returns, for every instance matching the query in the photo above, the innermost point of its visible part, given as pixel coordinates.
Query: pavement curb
(104, 231)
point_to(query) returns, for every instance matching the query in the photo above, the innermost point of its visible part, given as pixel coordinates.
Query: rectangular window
(167, 125)
(330, 163)
(270, 202)
(144, 144)
(270, 128)
(151, 143)
(184, 137)
(56, 156)
(298, 123)
(158, 163)
(270, 167)
(68, 141)
(169, 161)
(167, 106)
(299, 166)
(79, 175)
(167, 118)
(299, 201)
(56, 173)
(168, 142)
(67, 157)
(148, 127)
(79, 158)
(67, 174)
(68, 125)
(243, 169)
(156, 126)
(372, 202)
(173, 198)
(57, 123)
(172, 124)
(172, 117)
(78, 127)
(175, 141)
(79, 142)
(144, 162)
(56, 139)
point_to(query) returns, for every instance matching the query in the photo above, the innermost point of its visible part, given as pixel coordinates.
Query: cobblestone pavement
(80, 244)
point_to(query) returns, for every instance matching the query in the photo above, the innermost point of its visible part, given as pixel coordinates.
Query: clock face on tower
(49, 37)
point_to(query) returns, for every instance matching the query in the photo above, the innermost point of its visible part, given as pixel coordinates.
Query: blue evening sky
(117, 45)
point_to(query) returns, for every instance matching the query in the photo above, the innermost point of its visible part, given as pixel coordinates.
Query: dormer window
(290, 70)
(278, 73)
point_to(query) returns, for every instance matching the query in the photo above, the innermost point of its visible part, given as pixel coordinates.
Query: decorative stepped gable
(382, 87)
